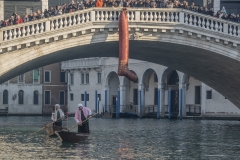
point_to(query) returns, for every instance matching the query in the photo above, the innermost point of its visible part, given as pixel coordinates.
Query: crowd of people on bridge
(80, 5)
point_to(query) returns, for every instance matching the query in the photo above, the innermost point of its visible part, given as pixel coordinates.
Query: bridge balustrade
(94, 15)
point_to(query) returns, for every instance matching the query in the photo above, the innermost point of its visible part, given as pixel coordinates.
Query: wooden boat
(50, 130)
(73, 137)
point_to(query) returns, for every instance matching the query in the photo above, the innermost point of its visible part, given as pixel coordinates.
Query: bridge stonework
(204, 47)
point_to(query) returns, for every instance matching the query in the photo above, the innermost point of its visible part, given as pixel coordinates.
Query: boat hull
(72, 137)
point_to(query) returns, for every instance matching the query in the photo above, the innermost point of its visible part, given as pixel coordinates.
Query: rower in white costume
(58, 115)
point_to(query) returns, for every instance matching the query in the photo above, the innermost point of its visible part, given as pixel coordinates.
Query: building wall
(190, 93)
(44, 4)
(55, 86)
(216, 5)
(231, 6)
(28, 107)
(58, 2)
(149, 94)
(77, 89)
(218, 105)
(1, 10)
(11, 6)
(13, 87)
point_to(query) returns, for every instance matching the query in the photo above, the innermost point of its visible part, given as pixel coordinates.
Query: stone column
(141, 100)
(162, 99)
(203, 99)
(216, 5)
(122, 89)
(2, 10)
(183, 100)
(106, 98)
(169, 103)
(44, 4)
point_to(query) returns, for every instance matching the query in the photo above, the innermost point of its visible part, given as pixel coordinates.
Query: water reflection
(123, 139)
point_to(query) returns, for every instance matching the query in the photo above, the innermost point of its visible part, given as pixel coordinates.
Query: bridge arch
(204, 53)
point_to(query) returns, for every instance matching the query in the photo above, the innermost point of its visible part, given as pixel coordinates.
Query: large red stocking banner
(124, 48)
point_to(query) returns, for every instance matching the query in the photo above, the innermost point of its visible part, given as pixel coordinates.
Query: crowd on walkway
(58, 10)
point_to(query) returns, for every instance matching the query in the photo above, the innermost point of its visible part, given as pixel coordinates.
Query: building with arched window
(5, 97)
(104, 88)
(18, 94)
(35, 92)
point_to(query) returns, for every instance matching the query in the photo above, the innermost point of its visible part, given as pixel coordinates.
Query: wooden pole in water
(46, 126)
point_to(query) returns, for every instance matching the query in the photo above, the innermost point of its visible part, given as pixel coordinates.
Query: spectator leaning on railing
(85, 4)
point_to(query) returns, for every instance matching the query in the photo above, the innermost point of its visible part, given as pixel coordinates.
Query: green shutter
(36, 74)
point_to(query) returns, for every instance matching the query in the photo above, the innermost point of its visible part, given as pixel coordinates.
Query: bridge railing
(23, 30)
(71, 19)
(204, 21)
(156, 15)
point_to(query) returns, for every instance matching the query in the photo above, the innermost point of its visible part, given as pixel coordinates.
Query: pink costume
(78, 114)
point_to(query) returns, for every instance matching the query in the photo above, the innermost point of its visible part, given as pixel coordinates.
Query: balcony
(82, 63)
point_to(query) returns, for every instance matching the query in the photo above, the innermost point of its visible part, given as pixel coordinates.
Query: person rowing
(57, 116)
(82, 114)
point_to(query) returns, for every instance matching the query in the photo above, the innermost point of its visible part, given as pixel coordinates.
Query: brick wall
(28, 77)
(55, 86)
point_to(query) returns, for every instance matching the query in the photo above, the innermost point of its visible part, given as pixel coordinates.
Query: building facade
(8, 7)
(22, 94)
(94, 82)
(54, 88)
(35, 92)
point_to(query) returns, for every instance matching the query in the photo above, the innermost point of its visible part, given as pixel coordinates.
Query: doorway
(175, 102)
(114, 103)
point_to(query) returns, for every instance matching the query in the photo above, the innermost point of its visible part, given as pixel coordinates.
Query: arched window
(5, 97)
(20, 97)
(35, 97)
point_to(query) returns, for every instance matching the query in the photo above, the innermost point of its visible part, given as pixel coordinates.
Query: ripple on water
(123, 139)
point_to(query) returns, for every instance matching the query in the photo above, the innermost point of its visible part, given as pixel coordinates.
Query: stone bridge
(204, 47)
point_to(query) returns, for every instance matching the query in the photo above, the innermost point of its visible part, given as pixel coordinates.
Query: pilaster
(2, 10)
(44, 4)
(216, 5)
(182, 86)
(122, 89)
(106, 98)
(161, 86)
(141, 97)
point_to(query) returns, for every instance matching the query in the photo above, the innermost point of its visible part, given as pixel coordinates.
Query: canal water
(123, 139)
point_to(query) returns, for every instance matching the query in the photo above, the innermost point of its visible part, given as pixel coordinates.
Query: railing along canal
(174, 16)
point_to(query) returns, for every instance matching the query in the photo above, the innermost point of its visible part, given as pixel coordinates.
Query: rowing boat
(50, 130)
(72, 137)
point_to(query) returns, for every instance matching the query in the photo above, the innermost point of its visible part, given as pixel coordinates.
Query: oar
(83, 121)
(46, 125)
